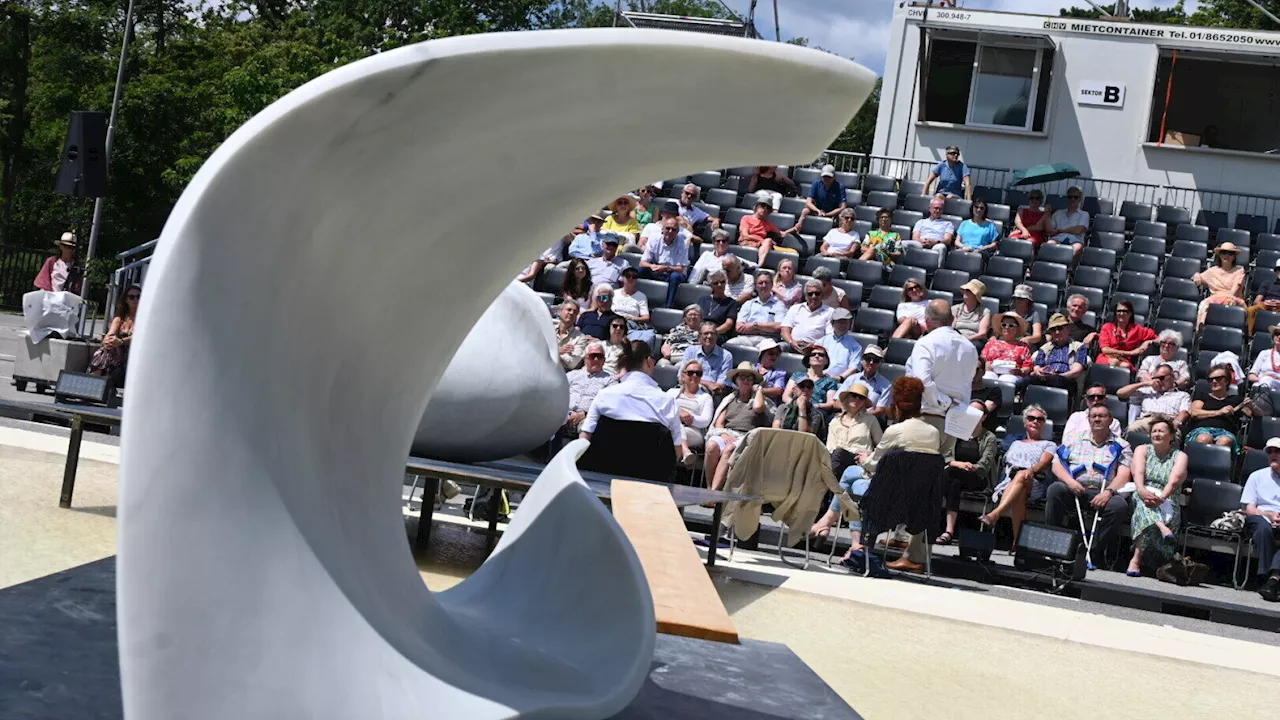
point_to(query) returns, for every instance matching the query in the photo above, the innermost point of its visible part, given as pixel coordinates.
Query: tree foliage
(1209, 13)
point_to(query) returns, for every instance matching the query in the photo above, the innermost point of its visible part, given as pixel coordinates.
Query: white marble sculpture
(307, 293)
(504, 393)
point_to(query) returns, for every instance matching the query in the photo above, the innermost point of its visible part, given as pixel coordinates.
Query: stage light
(1054, 551)
(976, 544)
(83, 387)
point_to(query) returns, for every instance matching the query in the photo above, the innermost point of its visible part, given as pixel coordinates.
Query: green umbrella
(1043, 174)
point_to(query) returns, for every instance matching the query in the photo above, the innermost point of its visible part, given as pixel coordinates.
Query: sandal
(943, 539)
(820, 532)
(988, 522)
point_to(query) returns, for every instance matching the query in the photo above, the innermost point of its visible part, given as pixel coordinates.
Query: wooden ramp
(684, 600)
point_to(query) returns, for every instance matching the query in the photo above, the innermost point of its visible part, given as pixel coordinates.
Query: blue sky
(860, 28)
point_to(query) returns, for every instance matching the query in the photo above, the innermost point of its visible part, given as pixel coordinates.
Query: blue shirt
(715, 367)
(693, 214)
(826, 198)
(974, 235)
(951, 178)
(762, 312)
(844, 352)
(1059, 359)
(595, 324)
(877, 387)
(586, 245)
(659, 252)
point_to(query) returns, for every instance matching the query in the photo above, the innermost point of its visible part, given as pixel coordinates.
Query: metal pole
(1264, 11)
(96, 228)
(777, 30)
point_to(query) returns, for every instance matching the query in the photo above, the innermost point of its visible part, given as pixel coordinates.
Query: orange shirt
(754, 227)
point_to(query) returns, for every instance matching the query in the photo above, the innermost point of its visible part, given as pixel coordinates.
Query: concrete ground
(892, 648)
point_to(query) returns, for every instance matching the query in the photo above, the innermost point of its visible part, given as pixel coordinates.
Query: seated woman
(972, 318)
(1122, 340)
(631, 303)
(1024, 461)
(1215, 414)
(615, 345)
(694, 404)
(883, 245)
(1025, 306)
(681, 336)
(853, 433)
(1168, 341)
(596, 319)
(1005, 357)
(911, 310)
(637, 397)
(623, 220)
(738, 414)
(978, 234)
(816, 361)
(1032, 221)
(112, 358)
(971, 470)
(571, 341)
(801, 413)
(842, 241)
(1159, 469)
(576, 286)
(1225, 280)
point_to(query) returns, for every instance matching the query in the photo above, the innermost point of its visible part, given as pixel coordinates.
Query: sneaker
(1271, 589)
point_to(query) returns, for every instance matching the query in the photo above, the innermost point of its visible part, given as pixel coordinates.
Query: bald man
(945, 362)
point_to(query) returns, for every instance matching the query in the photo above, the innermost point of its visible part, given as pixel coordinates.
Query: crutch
(1088, 536)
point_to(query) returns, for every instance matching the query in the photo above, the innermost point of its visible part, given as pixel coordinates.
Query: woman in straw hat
(739, 414)
(58, 272)
(623, 220)
(1005, 356)
(1225, 280)
(972, 318)
(852, 434)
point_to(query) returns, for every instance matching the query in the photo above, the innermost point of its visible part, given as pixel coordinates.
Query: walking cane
(1088, 537)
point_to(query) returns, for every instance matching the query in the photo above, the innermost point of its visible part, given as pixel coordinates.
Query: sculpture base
(58, 659)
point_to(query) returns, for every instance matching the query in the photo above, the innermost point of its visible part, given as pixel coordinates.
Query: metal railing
(130, 273)
(18, 269)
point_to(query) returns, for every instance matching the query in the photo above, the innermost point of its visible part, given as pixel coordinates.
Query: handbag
(1182, 571)
(1231, 521)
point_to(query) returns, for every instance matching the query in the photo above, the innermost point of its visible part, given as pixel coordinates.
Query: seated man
(694, 219)
(806, 322)
(1091, 467)
(802, 413)
(716, 362)
(760, 318)
(711, 260)
(667, 260)
(1081, 331)
(607, 269)
(832, 296)
(718, 308)
(1078, 423)
(843, 350)
(876, 384)
(1158, 396)
(826, 198)
(653, 231)
(1069, 225)
(738, 285)
(584, 383)
(740, 413)
(1261, 498)
(758, 232)
(952, 176)
(587, 244)
(1061, 361)
(933, 231)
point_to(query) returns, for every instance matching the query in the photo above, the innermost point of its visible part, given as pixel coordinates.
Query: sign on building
(1100, 93)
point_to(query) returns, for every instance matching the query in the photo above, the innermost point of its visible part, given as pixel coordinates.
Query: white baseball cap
(828, 171)
(1273, 443)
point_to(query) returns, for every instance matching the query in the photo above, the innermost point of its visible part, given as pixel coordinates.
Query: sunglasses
(693, 373)
(686, 192)
(1124, 312)
(1009, 325)
(1073, 197)
(1168, 342)
(1096, 397)
(1273, 451)
(717, 282)
(1034, 418)
(814, 355)
(603, 298)
(914, 288)
(595, 355)
(1217, 378)
(872, 359)
(813, 294)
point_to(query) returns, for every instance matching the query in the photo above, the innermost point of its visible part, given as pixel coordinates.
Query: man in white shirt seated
(806, 322)
(1261, 498)
(607, 269)
(653, 231)
(945, 361)
(933, 231)
(738, 285)
(584, 384)
(1078, 423)
(844, 352)
(1158, 396)
(1069, 226)
(760, 317)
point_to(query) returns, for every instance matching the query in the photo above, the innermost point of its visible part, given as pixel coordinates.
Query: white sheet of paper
(962, 420)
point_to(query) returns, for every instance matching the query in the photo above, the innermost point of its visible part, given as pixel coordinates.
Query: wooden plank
(684, 600)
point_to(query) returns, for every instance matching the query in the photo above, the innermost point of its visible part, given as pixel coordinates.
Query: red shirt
(753, 227)
(1111, 336)
(997, 349)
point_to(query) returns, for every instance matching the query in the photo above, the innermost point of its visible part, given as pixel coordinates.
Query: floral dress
(1155, 477)
(884, 243)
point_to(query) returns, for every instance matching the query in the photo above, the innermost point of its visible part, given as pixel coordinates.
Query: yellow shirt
(612, 225)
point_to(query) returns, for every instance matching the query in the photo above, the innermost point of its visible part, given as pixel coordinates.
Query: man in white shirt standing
(1069, 226)
(1261, 498)
(945, 361)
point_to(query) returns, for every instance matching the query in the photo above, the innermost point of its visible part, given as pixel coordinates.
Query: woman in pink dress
(1032, 221)
(1225, 280)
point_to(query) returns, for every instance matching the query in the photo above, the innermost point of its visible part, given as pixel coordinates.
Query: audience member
(883, 244)
(571, 341)
(738, 284)
(637, 398)
(59, 272)
(806, 323)
(1092, 467)
(1261, 498)
(1225, 281)
(694, 405)
(1168, 341)
(975, 458)
(1268, 297)
(774, 378)
(1023, 479)
(1060, 362)
(667, 260)
(584, 384)
(622, 221)
(786, 287)
(1215, 413)
(716, 362)
(554, 256)
(825, 387)
(694, 219)
(1069, 225)
(1079, 330)
(1122, 340)
(1157, 396)
(769, 182)
(758, 232)
(801, 412)
(632, 304)
(576, 286)
(743, 411)
(952, 176)
(112, 358)
(1265, 373)
(646, 203)
(596, 320)
(718, 307)
(826, 197)
(759, 320)
(843, 349)
(851, 435)
(682, 336)
(1159, 469)
(616, 345)
(945, 361)
(711, 260)
(972, 318)
(842, 241)
(588, 243)
(1078, 423)
(1031, 222)
(832, 296)
(910, 312)
(608, 267)
(653, 231)
(877, 384)
(933, 231)
(1025, 306)
(987, 399)
(1005, 357)
(979, 234)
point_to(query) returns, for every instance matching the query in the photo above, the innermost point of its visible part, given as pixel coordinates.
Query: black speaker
(83, 170)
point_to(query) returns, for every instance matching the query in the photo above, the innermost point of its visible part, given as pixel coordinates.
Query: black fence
(18, 269)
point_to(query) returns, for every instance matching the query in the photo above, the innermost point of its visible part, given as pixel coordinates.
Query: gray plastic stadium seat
(667, 376)
(1015, 198)
(783, 221)
(1215, 220)
(816, 226)
(849, 180)
(1099, 258)
(1182, 267)
(688, 294)
(911, 187)
(1184, 328)
(1150, 228)
(879, 183)
(1113, 377)
(1054, 401)
(817, 261)
(1108, 223)
(1098, 206)
(1132, 212)
(633, 259)
(885, 297)
(882, 199)
(959, 207)
(907, 217)
(804, 177)
(875, 321)
(1241, 238)
(550, 280)
(866, 213)
(1023, 250)
(1002, 214)
(1172, 215)
(1215, 339)
(1253, 224)
(990, 194)
(722, 197)
(1267, 241)
(852, 196)
(1180, 288)
(1094, 277)
(706, 180)
(1006, 267)
(733, 216)
(654, 290)
(1058, 202)
(1194, 233)
(903, 230)
(1000, 288)
(1047, 272)
(744, 252)
(867, 272)
(898, 351)
(1113, 241)
(1139, 262)
(971, 263)
(930, 260)
(1175, 309)
(1189, 249)
(852, 288)
(665, 319)
(1228, 316)
(793, 206)
(955, 220)
(1060, 254)
(949, 281)
(1147, 245)
(1208, 461)
(710, 208)
(901, 273)
(1137, 282)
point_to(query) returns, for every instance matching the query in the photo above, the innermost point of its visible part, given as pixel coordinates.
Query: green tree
(1176, 15)
(860, 133)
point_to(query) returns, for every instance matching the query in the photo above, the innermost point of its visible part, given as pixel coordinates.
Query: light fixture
(1053, 550)
(83, 387)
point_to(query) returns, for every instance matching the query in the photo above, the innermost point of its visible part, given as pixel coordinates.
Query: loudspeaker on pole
(83, 170)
